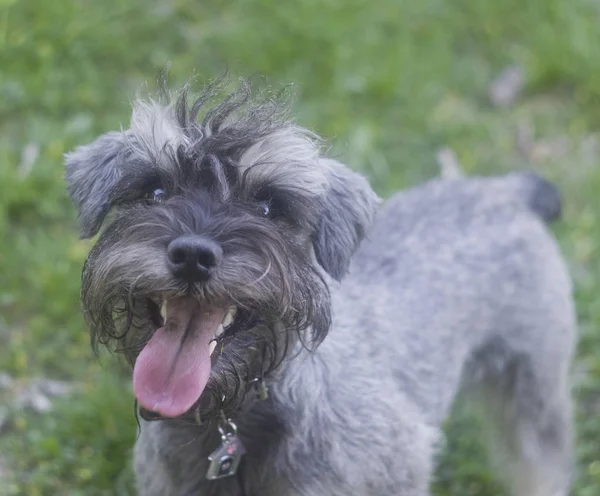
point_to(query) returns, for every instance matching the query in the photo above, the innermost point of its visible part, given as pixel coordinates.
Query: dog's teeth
(220, 330)
(212, 346)
(163, 311)
(227, 320)
(229, 317)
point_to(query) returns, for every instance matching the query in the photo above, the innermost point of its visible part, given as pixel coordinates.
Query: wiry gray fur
(456, 283)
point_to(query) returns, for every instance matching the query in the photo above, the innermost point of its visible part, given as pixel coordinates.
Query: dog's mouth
(172, 370)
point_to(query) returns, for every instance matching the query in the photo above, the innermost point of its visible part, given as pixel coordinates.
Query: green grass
(387, 82)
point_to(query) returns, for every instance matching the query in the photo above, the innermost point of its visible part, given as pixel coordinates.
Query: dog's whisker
(262, 276)
(191, 441)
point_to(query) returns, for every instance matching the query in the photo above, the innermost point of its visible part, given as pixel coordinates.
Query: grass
(387, 82)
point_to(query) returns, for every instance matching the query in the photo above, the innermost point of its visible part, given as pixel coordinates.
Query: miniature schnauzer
(290, 335)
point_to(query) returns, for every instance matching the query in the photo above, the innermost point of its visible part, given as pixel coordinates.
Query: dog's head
(219, 234)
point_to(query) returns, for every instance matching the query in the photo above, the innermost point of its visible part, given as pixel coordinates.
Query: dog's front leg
(171, 460)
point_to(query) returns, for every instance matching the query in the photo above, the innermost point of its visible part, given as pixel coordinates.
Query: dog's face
(221, 235)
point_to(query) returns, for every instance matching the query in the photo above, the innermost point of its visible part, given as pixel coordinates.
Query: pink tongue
(173, 368)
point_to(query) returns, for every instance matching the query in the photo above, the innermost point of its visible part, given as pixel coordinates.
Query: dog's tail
(540, 195)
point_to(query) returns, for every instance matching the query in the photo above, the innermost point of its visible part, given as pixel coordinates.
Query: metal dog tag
(225, 460)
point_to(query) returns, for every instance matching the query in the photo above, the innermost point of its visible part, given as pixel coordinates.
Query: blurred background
(506, 85)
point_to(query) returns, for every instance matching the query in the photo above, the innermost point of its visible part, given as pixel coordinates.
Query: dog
(291, 334)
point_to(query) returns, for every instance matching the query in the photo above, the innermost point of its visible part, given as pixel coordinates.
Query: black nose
(192, 257)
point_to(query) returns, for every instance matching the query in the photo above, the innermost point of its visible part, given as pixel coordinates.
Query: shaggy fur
(363, 341)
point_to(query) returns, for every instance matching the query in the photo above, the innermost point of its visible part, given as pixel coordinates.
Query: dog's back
(460, 282)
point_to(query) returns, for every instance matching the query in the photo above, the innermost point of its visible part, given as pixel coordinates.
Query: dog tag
(225, 460)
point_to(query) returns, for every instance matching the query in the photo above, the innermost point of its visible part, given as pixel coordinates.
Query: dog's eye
(265, 209)
(268, 203)
(157, 195)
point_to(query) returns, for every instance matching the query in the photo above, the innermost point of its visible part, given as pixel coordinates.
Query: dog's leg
(527, 412)
(152, 475)
(355, 436)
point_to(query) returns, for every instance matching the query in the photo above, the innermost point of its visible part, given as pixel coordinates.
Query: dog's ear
(347, 210)
(92, 172)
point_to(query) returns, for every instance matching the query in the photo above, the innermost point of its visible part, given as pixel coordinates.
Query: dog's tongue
(173, 368)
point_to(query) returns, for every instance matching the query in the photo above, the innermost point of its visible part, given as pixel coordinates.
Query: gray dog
(290, 336)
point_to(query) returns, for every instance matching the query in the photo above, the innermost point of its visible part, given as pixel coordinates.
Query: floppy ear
(348, 208)
(92, 172)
